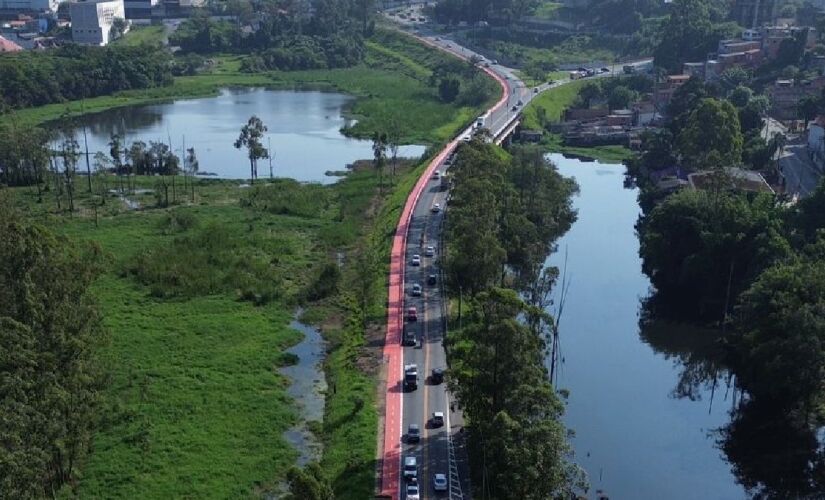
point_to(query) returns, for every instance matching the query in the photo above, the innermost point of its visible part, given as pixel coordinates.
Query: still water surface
(634, 436)
(304, 130)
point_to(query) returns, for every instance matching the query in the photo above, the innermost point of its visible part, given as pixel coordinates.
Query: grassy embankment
(554, 102)
(195, 406)
(138, 35)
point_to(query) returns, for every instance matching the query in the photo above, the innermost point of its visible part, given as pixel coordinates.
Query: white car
(416, 260)
(436, 208)
(440, 482)
(412, 491)
(429, 251)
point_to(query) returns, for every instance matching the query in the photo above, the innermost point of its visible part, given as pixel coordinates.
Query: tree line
(748, 262)
(280, 37)
(73, 72)
(50, 374)
(505, 212)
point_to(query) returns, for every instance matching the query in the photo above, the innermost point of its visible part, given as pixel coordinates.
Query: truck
(410, 377)
(629, 69)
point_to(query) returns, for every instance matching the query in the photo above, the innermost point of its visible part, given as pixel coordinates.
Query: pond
(303, 129)
(646, 425)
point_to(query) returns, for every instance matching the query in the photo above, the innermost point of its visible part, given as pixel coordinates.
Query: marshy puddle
(307, 387)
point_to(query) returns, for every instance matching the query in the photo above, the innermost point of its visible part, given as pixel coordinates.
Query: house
(92, 20)
(733, 178)
(664, 91)
(785, 95)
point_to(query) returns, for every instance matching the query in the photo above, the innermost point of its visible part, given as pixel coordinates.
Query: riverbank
(391, 89)
(549, 107)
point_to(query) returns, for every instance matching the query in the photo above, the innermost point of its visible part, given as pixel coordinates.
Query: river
(303, 127)
(636, 434)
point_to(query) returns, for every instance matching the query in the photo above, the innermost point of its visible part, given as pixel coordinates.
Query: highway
(419, 227)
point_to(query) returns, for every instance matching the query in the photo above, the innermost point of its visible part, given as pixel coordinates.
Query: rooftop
(737, 178)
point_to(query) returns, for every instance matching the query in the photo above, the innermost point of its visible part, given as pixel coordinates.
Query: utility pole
(269, 155)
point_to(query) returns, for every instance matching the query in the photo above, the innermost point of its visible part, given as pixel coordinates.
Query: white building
(29, 5)
(92, 20)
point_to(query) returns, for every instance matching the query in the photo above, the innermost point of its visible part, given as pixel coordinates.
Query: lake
(304, 131)
(645, 426)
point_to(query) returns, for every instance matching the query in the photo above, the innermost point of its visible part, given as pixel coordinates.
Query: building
(29, 5)
(92, 20)
(785, 96)
(139, 9)
(754, 13)
(735, 179)
(663, 92)
(773, 36)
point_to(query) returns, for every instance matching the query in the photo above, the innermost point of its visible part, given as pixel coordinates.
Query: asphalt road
(417, 406)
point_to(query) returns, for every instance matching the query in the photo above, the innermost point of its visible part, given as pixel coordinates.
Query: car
(514, 108)
(409, 337)
(437, 419)
(415, 291)
(436, 208)
(440, 482)
(416, 260)
(437, 376)
(412, 491)
(410, 468)
(413, 433)
(486, 65)
(431, 279)
(605, 70)
(493, 61)
(412, 314)
(519, 103)
(429, 251)
(436, 175)
(437, 39)
(535, 90)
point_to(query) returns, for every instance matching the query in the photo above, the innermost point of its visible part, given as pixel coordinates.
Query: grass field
(196, 407)
(138, 35)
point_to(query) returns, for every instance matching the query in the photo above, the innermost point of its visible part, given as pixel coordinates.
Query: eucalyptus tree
(250, 138)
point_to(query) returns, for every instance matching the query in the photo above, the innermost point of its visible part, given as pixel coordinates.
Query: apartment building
(92, 20)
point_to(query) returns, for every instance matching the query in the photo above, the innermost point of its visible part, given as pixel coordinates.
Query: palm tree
(379, 151)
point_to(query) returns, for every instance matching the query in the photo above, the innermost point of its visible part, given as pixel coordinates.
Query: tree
(740, 96)
(394, 144)
(448, 89)
(50, 377)
(379, 151)
(70, 153)
(591, 91)
(118, 29)
(191, 166)
(308, 483)
(712, 136)
(697, 246)
(780, 344)
(621, 97)
(808, 109)
(250, 138)
(686, 35)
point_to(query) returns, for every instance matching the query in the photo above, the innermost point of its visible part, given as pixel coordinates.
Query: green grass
(575, 50)
(547, 10)
(553, 101)
(139, 35)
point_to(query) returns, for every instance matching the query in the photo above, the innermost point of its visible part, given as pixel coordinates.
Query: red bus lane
(393, 351)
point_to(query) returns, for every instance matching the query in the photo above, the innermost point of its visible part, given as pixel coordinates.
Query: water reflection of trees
(774, 456)
(123, 121)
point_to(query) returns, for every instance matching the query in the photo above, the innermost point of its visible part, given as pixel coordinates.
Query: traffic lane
(416, 402)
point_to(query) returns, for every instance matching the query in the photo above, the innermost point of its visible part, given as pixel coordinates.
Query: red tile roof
(9, 46)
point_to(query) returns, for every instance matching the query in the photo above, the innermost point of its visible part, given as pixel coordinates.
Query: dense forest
(284, 37)
(505, 213)
(50, 331)
(74, 72)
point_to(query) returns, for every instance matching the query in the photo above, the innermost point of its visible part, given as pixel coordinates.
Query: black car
(437, 376)
(409, 337)
(432, 279)
(413, 434)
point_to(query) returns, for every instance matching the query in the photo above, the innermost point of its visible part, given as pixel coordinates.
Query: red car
(412, 314)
